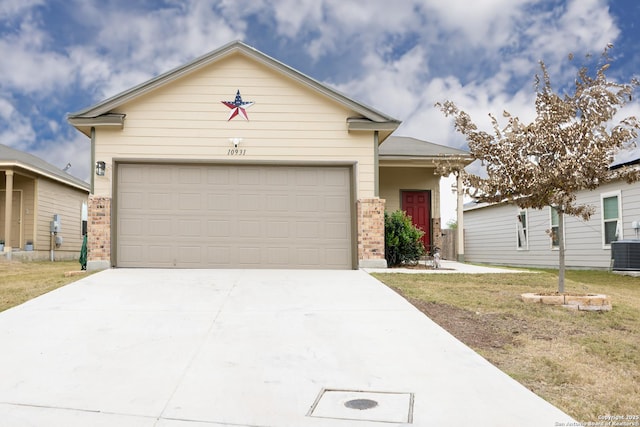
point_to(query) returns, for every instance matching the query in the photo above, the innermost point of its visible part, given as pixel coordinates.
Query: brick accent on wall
(99, 229)
(370, 213)
(370, 218)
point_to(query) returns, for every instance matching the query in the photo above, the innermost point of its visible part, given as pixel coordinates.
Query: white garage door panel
(217, 216)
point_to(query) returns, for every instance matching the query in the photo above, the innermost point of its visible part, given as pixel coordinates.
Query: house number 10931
(236, 152)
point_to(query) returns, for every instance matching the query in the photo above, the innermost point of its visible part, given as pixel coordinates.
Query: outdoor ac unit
(626, 255)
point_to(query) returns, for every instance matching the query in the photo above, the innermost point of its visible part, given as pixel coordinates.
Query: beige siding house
(235, 160)
(39, 191)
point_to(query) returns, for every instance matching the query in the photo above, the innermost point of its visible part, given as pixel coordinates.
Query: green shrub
(402, 240)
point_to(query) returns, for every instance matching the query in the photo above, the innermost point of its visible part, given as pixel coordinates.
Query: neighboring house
(505, 234)
(39, 191)
(236, 160)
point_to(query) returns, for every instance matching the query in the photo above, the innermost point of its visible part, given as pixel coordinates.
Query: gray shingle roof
(12, 157)
(403, 146)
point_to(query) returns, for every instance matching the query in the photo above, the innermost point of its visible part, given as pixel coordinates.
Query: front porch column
(370, 214)
(460, 217)
(8, 209)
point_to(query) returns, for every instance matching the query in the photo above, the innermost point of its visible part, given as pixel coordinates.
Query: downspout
(92, 167)
(460, 217)
(376, 164)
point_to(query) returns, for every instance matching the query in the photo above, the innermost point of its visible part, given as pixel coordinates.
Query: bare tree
(568, 147)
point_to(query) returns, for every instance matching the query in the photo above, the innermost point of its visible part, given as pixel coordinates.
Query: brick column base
(99, 233)
(371, 233)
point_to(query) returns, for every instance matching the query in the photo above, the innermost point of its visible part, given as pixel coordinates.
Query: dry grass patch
(586, 363)
(22, 281)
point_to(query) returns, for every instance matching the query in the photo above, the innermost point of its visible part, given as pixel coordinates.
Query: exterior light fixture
(235, 141)
(101, 167)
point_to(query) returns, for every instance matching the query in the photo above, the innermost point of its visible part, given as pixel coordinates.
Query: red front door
(417, 204)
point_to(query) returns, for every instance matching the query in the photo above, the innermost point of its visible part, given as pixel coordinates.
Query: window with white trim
(522, 230)
(554, 218)
(611, 218)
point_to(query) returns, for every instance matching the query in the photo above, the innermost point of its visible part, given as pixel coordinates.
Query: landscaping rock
(588, 302)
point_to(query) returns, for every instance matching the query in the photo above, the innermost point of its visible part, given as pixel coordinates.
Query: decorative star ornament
(238, 107)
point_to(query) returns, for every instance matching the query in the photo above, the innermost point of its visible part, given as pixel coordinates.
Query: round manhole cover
(361, 404)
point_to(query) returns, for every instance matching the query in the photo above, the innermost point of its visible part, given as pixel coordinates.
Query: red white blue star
(238, 107)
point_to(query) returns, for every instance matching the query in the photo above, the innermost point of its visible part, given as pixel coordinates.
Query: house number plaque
(236, 152)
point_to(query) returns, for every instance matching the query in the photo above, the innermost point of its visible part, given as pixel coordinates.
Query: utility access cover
(378, 406)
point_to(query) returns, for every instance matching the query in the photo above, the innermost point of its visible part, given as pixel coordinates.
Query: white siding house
(507, 235)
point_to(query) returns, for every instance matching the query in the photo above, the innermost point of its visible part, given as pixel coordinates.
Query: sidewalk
(446, 267)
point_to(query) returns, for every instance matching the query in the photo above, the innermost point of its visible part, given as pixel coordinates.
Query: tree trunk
(560, 250)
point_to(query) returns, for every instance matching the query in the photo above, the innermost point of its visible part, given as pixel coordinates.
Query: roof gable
(10, 157)
(101, 114)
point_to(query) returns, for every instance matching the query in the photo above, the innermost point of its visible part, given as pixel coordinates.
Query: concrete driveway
(203, 348)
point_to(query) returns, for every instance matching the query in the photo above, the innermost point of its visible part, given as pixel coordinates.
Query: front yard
(585, 363)
(22, 281)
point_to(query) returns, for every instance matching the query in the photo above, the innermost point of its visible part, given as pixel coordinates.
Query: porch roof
(11, 158)
(402, 150)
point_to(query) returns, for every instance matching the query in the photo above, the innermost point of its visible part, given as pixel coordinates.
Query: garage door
(222, 216)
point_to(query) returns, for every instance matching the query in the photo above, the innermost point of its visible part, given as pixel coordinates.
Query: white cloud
(293, 16)
(510, 36)
(487, 23)
(328, 27)
(578, 27)
(15, 129)
(402, 57)
(61, 151)
(10, 9)
(6, 109)
(401, 79)
(362, 29)
(123, 48)
(28, 65)
(90, 68)
(130, 46)
(54, 126)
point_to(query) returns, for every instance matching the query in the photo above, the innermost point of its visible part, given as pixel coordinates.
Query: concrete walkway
(204, 348)
(447, 267)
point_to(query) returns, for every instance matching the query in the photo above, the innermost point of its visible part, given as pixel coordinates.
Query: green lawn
(586, 363)
(22, 281)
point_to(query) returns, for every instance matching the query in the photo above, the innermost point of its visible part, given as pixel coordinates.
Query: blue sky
(399, 57)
